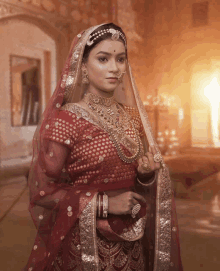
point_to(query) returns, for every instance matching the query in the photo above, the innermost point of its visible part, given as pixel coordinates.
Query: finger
(139, 197)
(145, 159)
(153, 149)
(140, 161)
(146, 165)
(151, 160)
(134, 202)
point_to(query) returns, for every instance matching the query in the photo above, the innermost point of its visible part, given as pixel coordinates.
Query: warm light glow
(212, 92)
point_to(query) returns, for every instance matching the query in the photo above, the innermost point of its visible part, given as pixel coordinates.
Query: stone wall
(24, 40)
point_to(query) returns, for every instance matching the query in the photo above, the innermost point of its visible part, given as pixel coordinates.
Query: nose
(113, 66)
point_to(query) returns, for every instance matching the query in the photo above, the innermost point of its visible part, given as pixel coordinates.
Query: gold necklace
(109, 113)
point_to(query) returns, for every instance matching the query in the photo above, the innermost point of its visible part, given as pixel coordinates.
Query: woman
(100, 197)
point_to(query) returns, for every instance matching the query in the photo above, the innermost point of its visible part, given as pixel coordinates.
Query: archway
(50, 48)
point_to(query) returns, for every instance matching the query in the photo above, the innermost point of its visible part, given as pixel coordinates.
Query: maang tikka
(85, 77)
(115, 35)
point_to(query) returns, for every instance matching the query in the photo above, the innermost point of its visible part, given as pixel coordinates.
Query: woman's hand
(146, 164)
(122, 204)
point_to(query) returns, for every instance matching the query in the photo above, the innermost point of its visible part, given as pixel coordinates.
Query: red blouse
(91, 157)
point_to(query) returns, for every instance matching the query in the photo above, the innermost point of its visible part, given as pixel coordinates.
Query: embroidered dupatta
(51, 197)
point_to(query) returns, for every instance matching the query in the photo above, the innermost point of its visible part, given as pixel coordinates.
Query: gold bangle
(105, 206)
(99, 211)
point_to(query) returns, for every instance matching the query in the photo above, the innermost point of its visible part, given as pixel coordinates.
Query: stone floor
(199, 223)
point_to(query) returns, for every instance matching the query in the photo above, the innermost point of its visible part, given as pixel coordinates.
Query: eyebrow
(106, 53)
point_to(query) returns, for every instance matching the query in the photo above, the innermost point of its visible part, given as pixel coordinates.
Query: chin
(109, 90)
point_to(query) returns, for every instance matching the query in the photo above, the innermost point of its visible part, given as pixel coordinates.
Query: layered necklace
(114, 119)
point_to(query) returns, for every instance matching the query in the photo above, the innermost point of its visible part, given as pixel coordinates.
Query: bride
(101, 195)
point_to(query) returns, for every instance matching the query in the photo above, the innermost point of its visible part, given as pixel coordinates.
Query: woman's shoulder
(132, 111)
(75, 109)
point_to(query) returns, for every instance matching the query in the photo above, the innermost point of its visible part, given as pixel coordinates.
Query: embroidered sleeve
(62, 129)
(133, 112)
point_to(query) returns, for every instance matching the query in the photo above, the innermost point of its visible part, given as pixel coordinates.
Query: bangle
(97, 204)
(101, 206)
(99, 209)
(147, 183)
(105, 206)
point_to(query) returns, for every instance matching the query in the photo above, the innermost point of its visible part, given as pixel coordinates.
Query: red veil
(55, 206)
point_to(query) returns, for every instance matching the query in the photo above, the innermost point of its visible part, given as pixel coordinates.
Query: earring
(85, 77)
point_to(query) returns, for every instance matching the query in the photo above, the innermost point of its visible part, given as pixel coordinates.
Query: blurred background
(174, 51)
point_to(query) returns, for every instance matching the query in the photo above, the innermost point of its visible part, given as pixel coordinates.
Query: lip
(112, 80)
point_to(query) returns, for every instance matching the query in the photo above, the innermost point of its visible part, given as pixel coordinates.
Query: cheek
(97, 71)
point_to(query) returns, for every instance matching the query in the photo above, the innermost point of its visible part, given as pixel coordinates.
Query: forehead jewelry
(115, 35)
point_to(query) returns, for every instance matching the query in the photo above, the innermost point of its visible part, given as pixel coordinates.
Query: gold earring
(85, 77)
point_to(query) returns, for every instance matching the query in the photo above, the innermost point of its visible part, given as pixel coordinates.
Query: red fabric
(88, 162)
(123, 256)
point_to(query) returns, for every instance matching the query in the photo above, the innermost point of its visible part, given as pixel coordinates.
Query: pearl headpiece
(115, 35)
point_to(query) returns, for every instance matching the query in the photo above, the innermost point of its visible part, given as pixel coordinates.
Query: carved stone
(9, 10)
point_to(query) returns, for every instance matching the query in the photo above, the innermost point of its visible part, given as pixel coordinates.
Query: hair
(105, 36)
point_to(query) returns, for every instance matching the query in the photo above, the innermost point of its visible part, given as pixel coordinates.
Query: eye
(121, 59)
(102, 59)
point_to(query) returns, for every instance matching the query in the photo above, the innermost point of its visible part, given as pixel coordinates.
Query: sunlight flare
(212, 92)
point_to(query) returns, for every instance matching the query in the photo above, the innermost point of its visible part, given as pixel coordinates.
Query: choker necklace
(114, 119)
(96, 99)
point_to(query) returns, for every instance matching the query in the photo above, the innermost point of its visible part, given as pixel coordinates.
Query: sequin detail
(35, 247)
(42, 193)
(67, 141)
(69, 208)
(137, 230)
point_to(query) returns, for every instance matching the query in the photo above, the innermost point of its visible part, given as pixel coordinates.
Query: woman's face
(105, 62)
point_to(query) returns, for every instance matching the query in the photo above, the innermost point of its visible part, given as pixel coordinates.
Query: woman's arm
(52, 163)
(55, 158)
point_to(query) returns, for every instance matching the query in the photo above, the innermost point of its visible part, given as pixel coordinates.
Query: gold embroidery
(126, 140)
(164, 194)
(136, 232)
(87, 225)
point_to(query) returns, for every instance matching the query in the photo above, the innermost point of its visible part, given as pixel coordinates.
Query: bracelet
(105, 206)
(99, 209)
(148, 183)
(97, 204)
(101, 206)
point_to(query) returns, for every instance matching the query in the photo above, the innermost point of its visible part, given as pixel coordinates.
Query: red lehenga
(75, 159)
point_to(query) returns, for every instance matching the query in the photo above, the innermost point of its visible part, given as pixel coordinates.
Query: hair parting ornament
(116, 34)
